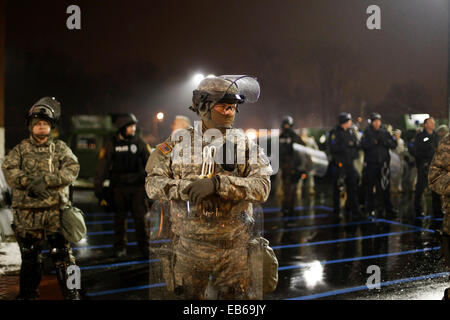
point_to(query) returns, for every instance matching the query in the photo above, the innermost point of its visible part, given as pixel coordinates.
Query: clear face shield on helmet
(232, 89)
(47, 108)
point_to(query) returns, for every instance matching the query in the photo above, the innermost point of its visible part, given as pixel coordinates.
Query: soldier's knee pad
(59, 251)
(29, 249)
(60, 256)
(57, 240)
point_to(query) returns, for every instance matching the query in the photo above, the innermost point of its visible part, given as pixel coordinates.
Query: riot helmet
(344, 117)
(231, 89)
(287, 120)
(123, 121)
(374, 116)
(47, 108)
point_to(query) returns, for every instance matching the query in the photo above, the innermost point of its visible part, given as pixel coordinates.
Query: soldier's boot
(30, 269)
(62, 262)
(62, 258)
(30, 277)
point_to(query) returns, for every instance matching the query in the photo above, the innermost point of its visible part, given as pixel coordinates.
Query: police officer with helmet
(376, 142)
(424, 146)
(344, 147)
(122, 160)
(289, 162)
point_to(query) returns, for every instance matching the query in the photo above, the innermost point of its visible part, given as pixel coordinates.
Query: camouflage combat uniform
(37, 218)
(216, 245)
(439, 182)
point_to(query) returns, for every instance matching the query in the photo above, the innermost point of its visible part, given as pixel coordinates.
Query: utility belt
(222, 244)
(52, 208)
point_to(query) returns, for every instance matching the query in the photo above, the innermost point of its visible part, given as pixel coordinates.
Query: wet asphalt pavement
(321, 255)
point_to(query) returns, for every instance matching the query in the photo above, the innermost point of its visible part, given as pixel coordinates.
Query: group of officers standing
(40, 170)
(211, 216)
(430, 150)
(345, 142)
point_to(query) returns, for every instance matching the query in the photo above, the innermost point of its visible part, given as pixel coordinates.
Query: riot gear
(344, 117)
(230, 89)
(48, 109)
(374, 116)
(344, 148)
(126, 120)
(122, 160)
(123, 121)
(288, 120)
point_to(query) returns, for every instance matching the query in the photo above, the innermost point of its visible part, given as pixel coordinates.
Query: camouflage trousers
(36, 222)
(196, 261)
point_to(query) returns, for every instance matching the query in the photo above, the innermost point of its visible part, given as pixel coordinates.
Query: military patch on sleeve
(102, 153)
(164, 148)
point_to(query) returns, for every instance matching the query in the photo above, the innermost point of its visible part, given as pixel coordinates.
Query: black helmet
(374, 116)
(47, 108)
(125, 120)
(344, 117)
(287, 120)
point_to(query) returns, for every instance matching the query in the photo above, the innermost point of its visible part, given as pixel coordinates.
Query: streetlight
(160, 116)
(251, 134)
(197, 78)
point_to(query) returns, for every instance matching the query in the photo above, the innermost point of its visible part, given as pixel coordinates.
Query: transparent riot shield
(161, 282)
(208, 268)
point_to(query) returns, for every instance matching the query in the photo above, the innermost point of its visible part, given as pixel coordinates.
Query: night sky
(313, 58)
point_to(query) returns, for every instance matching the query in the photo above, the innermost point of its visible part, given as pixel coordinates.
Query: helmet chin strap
(40, 137)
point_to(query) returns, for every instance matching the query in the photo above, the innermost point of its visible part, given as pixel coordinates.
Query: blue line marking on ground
(360, 288)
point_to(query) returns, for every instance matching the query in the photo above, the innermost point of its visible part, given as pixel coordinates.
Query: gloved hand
(38, 188)
(200, 189)
(209, 203)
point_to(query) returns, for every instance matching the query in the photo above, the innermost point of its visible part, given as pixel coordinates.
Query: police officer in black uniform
(344, 147)
(288, 164)
(123, 161)
(376, 142)
(424, 146)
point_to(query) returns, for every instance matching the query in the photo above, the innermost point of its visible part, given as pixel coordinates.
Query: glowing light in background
(160, 116)
(251, 134)
(197, 78)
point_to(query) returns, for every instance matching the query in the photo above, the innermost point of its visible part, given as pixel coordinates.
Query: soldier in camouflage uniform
(439, 182)
(40, 170)
(210, 245)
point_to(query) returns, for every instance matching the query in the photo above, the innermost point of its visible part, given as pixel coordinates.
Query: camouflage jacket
(27, 161)
(239, 187)
(439, 173)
